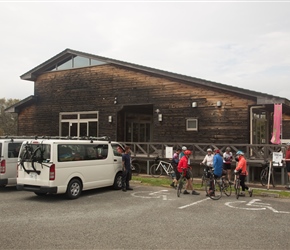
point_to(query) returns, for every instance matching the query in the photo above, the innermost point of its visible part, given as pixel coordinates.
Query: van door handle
(115, 159)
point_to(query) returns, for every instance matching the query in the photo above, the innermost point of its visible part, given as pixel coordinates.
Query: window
(74, 61)
(191, 124)
(78, 124)
(13, 149)
(82, 152)
(117, 149)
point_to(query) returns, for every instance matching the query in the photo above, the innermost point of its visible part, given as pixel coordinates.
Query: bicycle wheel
(264, 177)
(207, 186)
(180, 187)
(136, 169)
(227, 187)
(203, 181)
(237, 188)
(217, 194)
(156, 170)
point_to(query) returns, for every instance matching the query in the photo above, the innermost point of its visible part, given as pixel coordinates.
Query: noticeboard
(277, 159)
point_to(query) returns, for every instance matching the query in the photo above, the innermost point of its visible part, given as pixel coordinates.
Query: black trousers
(242, 182)
(126, 177)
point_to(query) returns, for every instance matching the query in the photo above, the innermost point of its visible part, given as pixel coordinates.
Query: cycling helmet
(288, 143)
(228, 149)
(209, 150)
(184, 148)
(240, 152)
(187, 152)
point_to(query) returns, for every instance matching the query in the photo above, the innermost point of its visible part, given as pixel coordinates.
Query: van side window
(102, 151)
(117, 149)
(65, 153)
(80, 152)
(13, 149)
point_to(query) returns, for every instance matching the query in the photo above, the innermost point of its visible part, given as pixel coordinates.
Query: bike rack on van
(28, 152)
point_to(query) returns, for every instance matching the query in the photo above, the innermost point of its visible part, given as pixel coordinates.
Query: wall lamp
(219, 104)
(160, 117)
(194, 104)
(110, 118)
(115, 100)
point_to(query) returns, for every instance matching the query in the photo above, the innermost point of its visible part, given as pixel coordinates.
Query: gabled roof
(14, 108)
(262, 98)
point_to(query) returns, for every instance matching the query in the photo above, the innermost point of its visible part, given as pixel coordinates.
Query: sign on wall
(168, 152)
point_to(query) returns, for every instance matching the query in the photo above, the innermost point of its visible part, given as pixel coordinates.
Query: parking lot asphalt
(147, 217)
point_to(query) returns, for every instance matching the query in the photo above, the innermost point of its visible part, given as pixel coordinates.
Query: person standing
(127, 173)
(287, 160)
(227, 162)
(183, 164)
(182, 152)
(217, 169)
(242, 168)
(174, 162)
(208, 159)
(217, 164)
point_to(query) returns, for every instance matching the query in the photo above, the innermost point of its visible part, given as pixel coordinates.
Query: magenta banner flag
(277, 119)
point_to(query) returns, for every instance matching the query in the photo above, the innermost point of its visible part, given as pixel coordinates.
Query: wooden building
(80, 94)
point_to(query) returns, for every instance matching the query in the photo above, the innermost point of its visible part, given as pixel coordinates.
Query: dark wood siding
(95, 88)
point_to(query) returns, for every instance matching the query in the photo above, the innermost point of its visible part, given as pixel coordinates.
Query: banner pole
(269, 174)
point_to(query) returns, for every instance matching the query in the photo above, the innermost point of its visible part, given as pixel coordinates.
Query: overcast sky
(240, 43)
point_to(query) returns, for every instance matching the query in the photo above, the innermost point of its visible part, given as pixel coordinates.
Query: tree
(8, 121)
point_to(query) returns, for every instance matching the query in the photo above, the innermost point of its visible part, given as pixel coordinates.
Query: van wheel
(2, 186)
(118, 181)
(40, 194)
(74, 189)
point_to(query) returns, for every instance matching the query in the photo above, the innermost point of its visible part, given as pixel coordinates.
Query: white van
(55, 166)
(9, 148)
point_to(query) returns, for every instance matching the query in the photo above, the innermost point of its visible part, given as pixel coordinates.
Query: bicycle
(181, 182)
(237, 184)
(135, 167)
(157, 168)
(226, 186)
(264, 175)
(213, 187)
(205, 174)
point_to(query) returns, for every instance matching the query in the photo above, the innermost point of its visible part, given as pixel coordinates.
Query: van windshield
(35, 152)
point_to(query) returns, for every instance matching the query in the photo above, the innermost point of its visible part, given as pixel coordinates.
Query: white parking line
(194, 203)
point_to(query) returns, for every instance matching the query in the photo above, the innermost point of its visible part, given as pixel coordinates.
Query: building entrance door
(138, 128)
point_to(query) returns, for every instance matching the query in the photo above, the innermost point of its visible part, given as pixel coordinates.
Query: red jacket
(287, 156)
(183, 163)
(242, 165)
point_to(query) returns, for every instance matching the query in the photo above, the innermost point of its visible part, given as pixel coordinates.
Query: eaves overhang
(16, 107)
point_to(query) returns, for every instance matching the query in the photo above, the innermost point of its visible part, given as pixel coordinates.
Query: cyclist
(208, 159)
(227, 162)
(183, 164)
(181, 154)
(242, 168)
(174, 162)
(217, 169)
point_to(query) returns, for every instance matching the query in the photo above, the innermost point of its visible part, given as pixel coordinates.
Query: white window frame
(191, 120)
(79, 120)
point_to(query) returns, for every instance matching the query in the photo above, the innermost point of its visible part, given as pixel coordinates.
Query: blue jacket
(218, 165)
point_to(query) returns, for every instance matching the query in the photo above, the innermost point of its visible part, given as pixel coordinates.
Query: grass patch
(166, 181)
